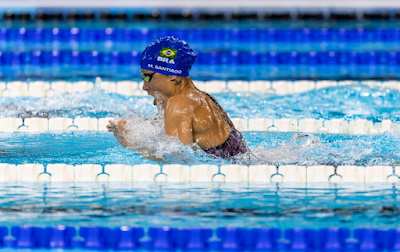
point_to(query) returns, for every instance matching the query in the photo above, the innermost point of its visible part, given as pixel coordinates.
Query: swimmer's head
(168, 56)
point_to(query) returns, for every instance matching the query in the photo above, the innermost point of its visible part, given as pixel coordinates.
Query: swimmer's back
(210, 129)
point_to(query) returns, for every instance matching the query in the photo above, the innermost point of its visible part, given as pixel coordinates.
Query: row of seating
(133, 88)
(201, 35)
(94, 58)
(308, 125)
(198, 173)
(129, 238)
(194, 14)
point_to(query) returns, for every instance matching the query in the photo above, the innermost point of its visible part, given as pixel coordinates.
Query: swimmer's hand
(119, 131)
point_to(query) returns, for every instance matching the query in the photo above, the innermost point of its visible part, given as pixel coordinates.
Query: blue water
(278, 148)
(211, 206)
(215, 205)
(347, 102)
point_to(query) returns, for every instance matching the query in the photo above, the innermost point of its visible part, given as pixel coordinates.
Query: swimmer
(190, 115)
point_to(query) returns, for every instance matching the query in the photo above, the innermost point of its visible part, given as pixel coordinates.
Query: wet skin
(189, 113)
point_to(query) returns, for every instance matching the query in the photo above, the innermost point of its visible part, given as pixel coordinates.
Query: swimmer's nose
(145, 87)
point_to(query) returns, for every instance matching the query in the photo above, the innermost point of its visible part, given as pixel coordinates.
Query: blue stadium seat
(4, 34)
(229, 58)
(34, 58)
(332, 239)
(262, 239)
(301, 239)
(144, 35)
(193, 239)
(270, 58)
(180, 33)
(111, 58)
(160, 33)
(72, 34)
(285, 36)
(232, 239)
(89, 35)
(36, 35)
(268, 35)
(130, 58)
(209, 58)
(196, 35)
(357, 35)
(124, 35)
(72, 58)
(248, 58)
(366, 58)
(368, 239)
(390, 239)
(232, 35)
(58, 237)
(391, 35)
(386, 58)
(249, 35)
(374, 35)
(125, 238)
(52, 58)
(95, 237)
(327, 58)
(163, 238)
(52, 35)
(3, 233)
(307, 58)
(13, 58)
(27, 237)
(347, 58)
(320, 35)
(17, 34)
(303, 35)
(92, 58)
(107, 34)
(288, 58)
(213, 35)
(338, 35)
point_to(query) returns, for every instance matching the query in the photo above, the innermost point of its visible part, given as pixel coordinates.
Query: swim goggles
(147, 76)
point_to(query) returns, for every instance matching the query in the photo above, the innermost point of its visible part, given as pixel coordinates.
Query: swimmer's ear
(175, 80)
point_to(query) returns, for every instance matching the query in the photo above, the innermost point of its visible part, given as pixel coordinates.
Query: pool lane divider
(331, 239)
(133, 88)
(307, 125)
(177, 173)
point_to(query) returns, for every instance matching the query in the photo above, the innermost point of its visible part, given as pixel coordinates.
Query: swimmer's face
(158, 82)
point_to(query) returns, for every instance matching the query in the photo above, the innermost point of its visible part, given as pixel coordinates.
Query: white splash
(148, 135)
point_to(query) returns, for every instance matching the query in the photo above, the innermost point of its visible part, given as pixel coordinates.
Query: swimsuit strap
(221, 110)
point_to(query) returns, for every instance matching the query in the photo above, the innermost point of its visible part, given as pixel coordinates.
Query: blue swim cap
(169, 56)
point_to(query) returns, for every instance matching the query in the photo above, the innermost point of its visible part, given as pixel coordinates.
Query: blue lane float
(201, 239)
(55, 34)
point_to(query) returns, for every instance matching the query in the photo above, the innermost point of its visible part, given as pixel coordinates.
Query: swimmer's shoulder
(180, 103)
(190, 100)
(192, 97)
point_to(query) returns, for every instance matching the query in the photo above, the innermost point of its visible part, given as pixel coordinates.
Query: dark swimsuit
(233, 145)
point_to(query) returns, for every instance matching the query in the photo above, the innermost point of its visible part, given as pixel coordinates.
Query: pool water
(277, 148)
(345, 102)
(212, 205)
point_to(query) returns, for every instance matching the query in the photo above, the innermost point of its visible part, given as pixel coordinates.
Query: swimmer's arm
(178, 119)
(120, 132)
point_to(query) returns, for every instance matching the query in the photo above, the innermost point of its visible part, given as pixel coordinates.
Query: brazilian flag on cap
(168, 53)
